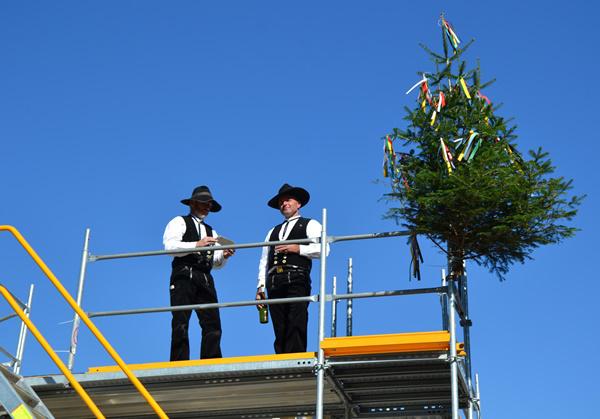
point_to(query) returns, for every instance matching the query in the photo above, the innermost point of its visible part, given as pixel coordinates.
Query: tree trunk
(456, 261)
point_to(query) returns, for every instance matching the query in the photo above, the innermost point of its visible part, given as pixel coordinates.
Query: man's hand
(228, 253)
(287, 248)
(260, 295)
(207, 241)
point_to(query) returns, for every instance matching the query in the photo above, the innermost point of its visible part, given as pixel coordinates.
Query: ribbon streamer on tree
(403, 156)
(389, 157)
(465, 152)
(484, 97)
(417, 84)
(416, 257)
(465, 90)
(450, 34)
(474, 150)
(446, 155)
(441, 102)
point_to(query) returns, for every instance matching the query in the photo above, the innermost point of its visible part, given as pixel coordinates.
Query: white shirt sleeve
(173, 235)
(312, 250)
(262, 265)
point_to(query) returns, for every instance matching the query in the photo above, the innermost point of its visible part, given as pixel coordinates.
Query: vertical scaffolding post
(76, 320)
(477, 396)
(464, 299)
(453, 359)
(470, 406)
(444, 302)
(334, 308)
(321, 356)
(466, 324)
(23, 335)
(349, 300)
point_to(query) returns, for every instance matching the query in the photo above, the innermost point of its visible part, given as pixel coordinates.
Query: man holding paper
(191, 280)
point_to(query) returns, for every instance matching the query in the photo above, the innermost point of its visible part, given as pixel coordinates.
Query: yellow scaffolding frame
(65, 294)
(61, 365)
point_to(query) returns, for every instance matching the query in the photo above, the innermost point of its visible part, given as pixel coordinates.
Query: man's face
(289, 206)
(200, 209)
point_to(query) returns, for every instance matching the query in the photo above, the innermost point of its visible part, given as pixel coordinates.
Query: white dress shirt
(174, 234)
(311, 250)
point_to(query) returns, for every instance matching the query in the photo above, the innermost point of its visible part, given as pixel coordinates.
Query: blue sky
(111, 112)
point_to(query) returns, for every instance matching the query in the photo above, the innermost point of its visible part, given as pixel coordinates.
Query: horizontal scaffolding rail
(311, 299)
(330, 239)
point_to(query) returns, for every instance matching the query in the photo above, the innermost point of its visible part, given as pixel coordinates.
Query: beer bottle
(263, 314)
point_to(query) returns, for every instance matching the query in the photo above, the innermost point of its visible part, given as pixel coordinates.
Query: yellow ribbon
(465, 89)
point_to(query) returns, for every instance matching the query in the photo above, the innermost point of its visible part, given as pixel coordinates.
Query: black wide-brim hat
(202, 194)
(300, 194)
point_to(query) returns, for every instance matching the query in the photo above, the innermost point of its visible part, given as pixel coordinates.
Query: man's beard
(201, 217)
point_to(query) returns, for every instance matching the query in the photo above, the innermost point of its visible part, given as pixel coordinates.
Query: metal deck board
(214, 390)
(411, 385)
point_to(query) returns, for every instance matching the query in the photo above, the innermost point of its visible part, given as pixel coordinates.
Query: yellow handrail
(134, 380)
(61, 365)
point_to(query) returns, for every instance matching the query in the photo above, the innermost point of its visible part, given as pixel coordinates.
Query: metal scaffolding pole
(321, 357)
(334, 308)
(349, 302)
(309, 298)
(477, 396)
(463, 287)
(453, 358)
(444, 302)
(76, 320)
(466, 323)
(96, 258)
(23, 335)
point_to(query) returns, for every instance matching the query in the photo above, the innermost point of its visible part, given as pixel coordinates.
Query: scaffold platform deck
(404, 375)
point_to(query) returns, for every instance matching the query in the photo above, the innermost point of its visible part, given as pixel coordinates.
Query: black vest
(283, 259)
(203, 260)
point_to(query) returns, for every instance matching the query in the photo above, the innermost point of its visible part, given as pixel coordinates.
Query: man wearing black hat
(285, 269)
(191, 279)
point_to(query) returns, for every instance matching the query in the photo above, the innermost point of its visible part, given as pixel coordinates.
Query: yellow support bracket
(86, 320)
(205, 362)
(392, 343)
(63, 368)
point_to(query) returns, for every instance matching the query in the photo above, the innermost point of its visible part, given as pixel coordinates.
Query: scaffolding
(414, 375)
(16, 361)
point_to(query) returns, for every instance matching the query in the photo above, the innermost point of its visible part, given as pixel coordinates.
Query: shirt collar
(295, 217)
(197, 219)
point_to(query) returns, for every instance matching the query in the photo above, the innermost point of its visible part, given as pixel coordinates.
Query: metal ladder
(17, 398)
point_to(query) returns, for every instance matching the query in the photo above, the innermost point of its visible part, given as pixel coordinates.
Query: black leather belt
(202, 269)
(286, 268)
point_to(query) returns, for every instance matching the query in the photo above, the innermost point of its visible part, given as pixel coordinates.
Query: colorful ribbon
(464, 88)
(433, 115)
(446, 155)
(465, 151)
(389, 156)
(441, 101)
(474, 150)
(484, 97)
(417, 84)
(450, 33)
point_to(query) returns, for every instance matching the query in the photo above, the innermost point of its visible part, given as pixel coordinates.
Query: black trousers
(191, 286)
(290, 321)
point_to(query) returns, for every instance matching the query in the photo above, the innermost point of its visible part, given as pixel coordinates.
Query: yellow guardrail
(61, 365)
(65, 294)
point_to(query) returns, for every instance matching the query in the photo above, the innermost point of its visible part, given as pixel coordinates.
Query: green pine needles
(462, 183)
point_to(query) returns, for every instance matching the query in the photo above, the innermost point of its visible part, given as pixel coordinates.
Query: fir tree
(462, 183)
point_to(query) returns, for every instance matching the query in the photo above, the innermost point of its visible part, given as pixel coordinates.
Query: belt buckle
(279, 269)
